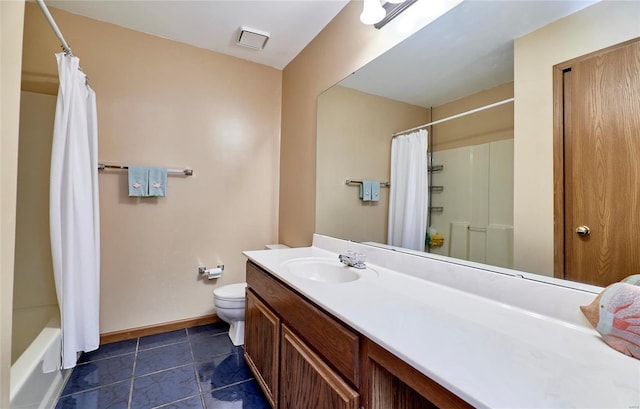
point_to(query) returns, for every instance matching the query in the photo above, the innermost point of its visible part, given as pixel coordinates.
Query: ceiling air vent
(252, 38)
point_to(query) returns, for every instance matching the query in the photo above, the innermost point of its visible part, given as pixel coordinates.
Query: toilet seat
(231, 292)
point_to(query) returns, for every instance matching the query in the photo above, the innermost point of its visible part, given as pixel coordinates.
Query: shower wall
(477, 202)
(34, 294)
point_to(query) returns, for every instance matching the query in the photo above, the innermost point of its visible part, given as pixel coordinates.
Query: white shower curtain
(408, 196)
(74, 211)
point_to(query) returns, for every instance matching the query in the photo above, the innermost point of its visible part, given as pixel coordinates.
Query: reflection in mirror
(462, 61)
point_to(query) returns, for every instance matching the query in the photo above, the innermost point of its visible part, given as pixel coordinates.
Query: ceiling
(215, 24)
(467, 50)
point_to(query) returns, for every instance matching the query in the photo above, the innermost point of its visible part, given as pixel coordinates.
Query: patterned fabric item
(615, 314)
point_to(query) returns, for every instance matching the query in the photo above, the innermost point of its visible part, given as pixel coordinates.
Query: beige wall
(599, 26)
(341, 48)
(34, 291)
(493, 124)
(354, 142)
(168, 104)
(11, 17)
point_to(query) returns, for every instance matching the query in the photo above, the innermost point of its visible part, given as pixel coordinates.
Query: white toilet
(230, 301)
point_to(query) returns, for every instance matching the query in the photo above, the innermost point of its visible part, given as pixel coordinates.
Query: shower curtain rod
(473, 111)
(54, 26)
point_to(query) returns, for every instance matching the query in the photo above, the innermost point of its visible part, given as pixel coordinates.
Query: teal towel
(375, 191)
(366, 191)
(157, 181)
(138, 181)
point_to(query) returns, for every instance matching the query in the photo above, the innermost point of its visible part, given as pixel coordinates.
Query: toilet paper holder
(211, 272)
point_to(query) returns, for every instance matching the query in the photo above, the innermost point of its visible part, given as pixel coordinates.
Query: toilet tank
(276, 246)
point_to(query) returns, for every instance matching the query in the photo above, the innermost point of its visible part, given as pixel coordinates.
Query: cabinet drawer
(333, 341)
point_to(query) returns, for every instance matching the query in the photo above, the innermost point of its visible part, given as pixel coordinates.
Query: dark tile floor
(194, 368)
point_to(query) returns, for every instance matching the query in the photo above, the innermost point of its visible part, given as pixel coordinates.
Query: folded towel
(157, 181)
(366, 191)
(138, 181)
(375, 191)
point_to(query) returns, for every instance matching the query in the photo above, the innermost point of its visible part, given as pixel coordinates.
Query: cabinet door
(392, 383)
(261, 345)
(307, 382)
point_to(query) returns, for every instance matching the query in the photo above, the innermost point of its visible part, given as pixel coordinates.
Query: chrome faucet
(353, 259)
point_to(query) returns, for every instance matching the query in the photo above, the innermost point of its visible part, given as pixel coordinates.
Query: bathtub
(36, 377)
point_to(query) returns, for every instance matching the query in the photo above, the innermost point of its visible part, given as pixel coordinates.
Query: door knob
(583, 231)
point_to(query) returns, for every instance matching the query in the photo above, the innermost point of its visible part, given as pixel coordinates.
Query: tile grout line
(133, 373)
(94, 388)
(164, 405)
(232, 384)
(164, 345)
(195, 368)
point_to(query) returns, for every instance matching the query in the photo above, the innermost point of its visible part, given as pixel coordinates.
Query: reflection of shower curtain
(408, 201)
(74, 211)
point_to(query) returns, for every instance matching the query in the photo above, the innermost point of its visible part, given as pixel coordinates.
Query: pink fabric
(619, 318)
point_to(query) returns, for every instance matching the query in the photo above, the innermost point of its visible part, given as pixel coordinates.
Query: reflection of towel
(138, 181)
(365, 191)
(375, 191)
(157, 181)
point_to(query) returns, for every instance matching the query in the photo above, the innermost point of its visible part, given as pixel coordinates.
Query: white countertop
(489, 353)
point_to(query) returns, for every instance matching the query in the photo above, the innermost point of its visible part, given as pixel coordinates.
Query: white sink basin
(325, 270)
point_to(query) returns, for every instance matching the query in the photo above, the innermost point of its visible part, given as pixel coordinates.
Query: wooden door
(307, 382)
(262, 345)
(598, 122)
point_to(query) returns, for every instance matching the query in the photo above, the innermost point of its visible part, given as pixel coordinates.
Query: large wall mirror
(491, 172)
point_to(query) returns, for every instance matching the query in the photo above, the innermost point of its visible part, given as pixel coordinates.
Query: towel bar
(186, 172)
(359, 182)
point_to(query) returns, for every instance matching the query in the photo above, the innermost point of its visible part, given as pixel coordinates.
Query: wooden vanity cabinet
(262, 345)
(300, 356)
(303, 358)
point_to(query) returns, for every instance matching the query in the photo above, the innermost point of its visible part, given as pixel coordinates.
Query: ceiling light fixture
(378, 15)
(393, 11)
(372, 12)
